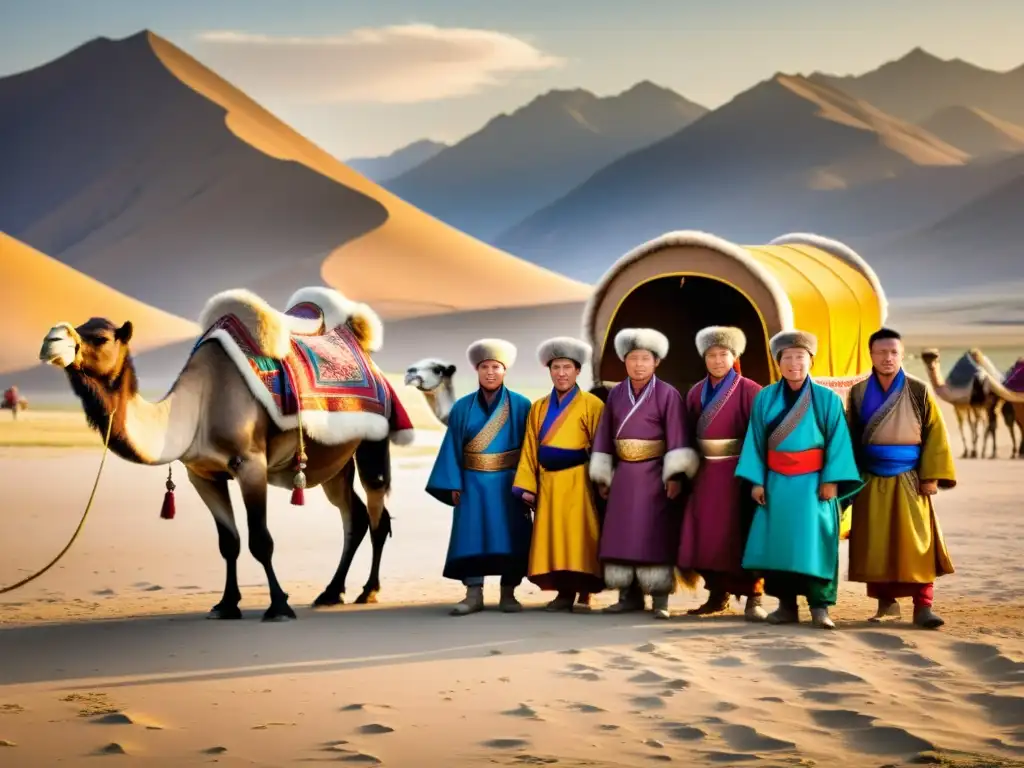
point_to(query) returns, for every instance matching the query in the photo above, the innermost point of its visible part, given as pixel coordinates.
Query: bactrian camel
(213, 423)
(433, 378)
(976, 405)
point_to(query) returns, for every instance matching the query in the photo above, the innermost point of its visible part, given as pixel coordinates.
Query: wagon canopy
(684, 281)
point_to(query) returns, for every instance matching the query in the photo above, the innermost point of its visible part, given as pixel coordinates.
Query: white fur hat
(498, 350)
(564, 347)
(728, 337)
(784, 340)
(629, 339)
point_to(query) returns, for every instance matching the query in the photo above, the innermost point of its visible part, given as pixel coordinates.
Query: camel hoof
(368, 596)
(328, 599)
(281, 612)
(224, 612)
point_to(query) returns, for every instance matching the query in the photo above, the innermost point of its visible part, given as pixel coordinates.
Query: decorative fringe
(298, 496)
(167, 510)
(299, 481)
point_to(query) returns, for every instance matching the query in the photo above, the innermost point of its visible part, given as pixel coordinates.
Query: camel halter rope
(81, 523)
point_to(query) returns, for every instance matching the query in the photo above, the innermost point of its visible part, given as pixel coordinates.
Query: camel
(969, 405)
(433, 378)
(1007, 401)
(213, 421)
(13, 402)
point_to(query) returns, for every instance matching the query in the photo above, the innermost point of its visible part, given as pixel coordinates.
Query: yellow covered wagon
(687, 280)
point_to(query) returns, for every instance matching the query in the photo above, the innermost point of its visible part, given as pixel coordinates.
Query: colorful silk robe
(491, 528)
(791, 451)
(644, 437)
(719, 508)
(900, 439)
(553, 467)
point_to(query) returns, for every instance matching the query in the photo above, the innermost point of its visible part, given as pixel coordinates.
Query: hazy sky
(363, 77)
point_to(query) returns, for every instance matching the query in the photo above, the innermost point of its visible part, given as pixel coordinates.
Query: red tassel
(167, 510)
(298, 497)
(299, 481)
(736, 366)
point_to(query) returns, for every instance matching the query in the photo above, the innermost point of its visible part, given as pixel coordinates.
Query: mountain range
(520, 162)
(384, 167)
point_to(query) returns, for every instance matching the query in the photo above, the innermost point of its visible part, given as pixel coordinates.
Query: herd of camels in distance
(221, 430)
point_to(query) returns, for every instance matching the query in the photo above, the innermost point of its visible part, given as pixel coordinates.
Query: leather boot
(821, 619)
(473, 602)
(716, 603)
(925, 617)
(887, 609)
(787, 613)
(753, 610)
(508, 602)
(659, 606)
(629, 600)
(563, 602)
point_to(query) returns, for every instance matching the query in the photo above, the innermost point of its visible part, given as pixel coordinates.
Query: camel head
(97, 348)
(429, 375)
(930, 357)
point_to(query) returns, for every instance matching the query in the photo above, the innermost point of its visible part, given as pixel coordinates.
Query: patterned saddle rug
(327, 378)
(1015, 377)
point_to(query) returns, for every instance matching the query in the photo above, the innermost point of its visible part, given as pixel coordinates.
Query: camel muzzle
(59, 351)
(413, 380)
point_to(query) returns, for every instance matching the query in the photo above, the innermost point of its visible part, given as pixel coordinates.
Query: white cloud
(392, 65)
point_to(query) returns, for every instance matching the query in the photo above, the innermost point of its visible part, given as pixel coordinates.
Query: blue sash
(891, 460)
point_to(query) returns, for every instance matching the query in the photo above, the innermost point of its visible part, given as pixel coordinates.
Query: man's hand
(928, 487)
(828, 491)
(530, 499)
(673, 488)
(603, 489)
(757, 494)
(456, 496)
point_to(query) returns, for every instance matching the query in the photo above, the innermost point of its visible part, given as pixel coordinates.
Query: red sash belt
(796, 462)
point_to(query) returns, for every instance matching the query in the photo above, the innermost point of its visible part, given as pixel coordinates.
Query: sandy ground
(110, 652)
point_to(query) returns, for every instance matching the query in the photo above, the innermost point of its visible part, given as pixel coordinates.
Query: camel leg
(963, 437)
(252, 478)
(972, 422)
(217, 499)
(355, 523)
(373, 461)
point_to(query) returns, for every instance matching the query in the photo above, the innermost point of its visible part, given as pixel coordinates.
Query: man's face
(718, 361)
(491, 374)
(563, 374)
(887, 356)
(640, 364)
(795, 364)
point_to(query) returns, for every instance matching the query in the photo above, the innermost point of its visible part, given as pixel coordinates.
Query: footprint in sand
(506, 743)
(104, 592)
(649, 677)
(728, 661)
(683, 732)
(113, 748)
(525, 711)
(841, 719)
(886, 740)
(373, 729)
(608, 727)
(812, 677)
(648, 702)
(726, 706)
(787, 654)
(771, 700)
(11, 709)
(589, 709)
(1001, 710)
(989, 661)
(826, 697)
(215, 750)
(743, 738)
(883, 641)
(365, 708)
(730, 757)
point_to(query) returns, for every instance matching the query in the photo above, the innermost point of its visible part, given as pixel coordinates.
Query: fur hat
(725, 336)
(498, 350)
(784, 340)
(564, 347)
(629, 339)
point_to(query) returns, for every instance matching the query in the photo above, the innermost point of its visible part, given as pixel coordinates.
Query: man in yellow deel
(552, 479)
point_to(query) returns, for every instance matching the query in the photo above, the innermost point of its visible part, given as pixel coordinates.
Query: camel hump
(336, 309)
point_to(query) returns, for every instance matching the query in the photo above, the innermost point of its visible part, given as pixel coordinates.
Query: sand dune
(174, 185)
(975, 131)
(40, 291)
(114, 656)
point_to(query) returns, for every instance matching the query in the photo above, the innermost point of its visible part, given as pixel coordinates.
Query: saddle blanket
(1015, 378)
(327, 379)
